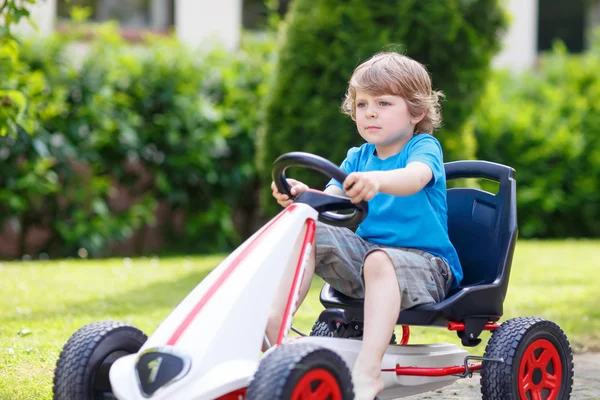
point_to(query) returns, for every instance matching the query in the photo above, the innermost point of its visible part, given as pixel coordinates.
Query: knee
(378, 265)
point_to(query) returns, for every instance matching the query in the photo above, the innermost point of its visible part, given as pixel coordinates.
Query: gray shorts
(340, 255)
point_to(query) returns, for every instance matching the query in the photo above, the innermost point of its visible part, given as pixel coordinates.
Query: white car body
(218, 329)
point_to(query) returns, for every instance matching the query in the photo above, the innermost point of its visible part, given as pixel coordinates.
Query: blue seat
(483, 228)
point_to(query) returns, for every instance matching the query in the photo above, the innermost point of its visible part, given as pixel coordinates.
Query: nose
(371, 113)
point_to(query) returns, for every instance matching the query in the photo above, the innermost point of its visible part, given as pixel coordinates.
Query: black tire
(321, 329)
(342, 331)
(536, 354)
(295, 367)
(82, 368)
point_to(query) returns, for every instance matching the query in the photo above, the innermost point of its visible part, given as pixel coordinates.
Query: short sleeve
(348, 166)
(429, 151)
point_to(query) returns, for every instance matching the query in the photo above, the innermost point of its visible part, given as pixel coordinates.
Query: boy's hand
(361, 186)
(283, 199)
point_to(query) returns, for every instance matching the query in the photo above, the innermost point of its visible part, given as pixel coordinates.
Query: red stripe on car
(222, 278)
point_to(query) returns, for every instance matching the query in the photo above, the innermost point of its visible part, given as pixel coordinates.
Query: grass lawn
(43, 303)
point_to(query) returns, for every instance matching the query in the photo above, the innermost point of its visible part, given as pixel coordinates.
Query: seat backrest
(483, 226)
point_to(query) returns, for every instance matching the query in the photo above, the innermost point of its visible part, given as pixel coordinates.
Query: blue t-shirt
(419, 221)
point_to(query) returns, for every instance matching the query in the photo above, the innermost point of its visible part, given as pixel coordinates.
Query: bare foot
(367, 383)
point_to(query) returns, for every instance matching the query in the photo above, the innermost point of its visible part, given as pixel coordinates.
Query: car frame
(209, 347)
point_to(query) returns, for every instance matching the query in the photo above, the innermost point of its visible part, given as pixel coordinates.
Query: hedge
(546, 124)
(324, 40)
(130, 135)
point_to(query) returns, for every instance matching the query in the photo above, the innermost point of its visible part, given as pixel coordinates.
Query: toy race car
(209, 347)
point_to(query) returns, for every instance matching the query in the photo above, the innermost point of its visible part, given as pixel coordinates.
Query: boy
(401, 255)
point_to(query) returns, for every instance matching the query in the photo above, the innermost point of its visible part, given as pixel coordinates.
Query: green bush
(14, 110)
(163, 124)
(546, 124)
(53, 182)
(325, 40)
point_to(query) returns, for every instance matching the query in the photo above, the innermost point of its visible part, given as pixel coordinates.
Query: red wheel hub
(540, 372)
(318, 384)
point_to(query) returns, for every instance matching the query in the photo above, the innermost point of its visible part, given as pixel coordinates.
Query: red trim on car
(235, 395)
(405, 335)
(442, 371)
(287, 315)
(459, 326)
(223, 277)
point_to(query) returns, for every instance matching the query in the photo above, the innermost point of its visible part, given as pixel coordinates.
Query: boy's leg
(395, 279)
(276, 316)
(382, 307)
(339, 253)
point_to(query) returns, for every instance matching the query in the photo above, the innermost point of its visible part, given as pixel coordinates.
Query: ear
(416, 119)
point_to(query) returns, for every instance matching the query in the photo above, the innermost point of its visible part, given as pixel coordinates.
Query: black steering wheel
(324, 203)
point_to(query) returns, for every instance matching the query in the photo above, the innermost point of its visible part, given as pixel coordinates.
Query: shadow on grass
(158, 295)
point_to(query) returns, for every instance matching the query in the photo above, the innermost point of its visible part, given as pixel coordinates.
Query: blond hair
(395, 74)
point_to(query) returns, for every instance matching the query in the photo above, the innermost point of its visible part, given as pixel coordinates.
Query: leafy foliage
(129, 133)
(325, 40)
(13, 102)
(546, 124)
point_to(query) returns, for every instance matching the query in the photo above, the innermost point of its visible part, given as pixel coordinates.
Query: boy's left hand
(361, 186)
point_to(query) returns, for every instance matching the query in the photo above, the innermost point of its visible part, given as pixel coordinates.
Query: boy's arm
(398, 182)
(404, 181)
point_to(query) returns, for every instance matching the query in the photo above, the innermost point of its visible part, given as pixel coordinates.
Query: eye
(360, 105)
(384, 103)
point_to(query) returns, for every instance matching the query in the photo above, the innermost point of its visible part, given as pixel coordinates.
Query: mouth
(372, 128)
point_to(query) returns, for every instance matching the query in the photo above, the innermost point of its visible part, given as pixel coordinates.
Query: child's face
(383, 120)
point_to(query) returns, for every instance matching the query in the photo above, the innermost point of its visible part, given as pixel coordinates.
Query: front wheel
(299, 371)
(538, 362)
(83, 365)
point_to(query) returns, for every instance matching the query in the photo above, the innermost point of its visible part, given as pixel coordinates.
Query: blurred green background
(117, 144)
(139, 135)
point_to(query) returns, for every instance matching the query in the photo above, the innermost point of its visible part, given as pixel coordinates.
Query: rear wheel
(299, 371)
(538, 362)
(84, 363)
(348, 331)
